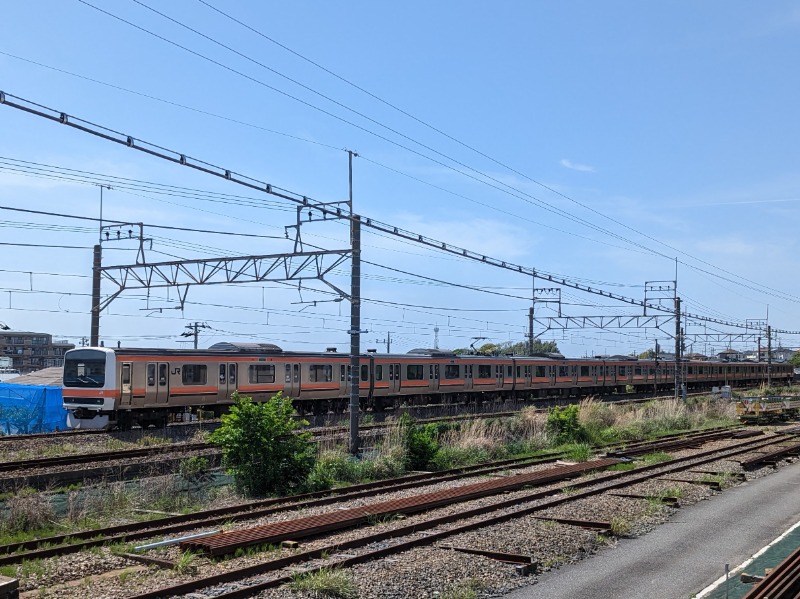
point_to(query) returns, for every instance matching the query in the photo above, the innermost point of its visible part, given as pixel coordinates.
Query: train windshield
(85, 368)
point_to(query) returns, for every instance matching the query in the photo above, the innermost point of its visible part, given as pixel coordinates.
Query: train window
(484, 371)
(222, 369)
(584, 371)
(540, 372)
(378, 372)
(231, 374)
(452, 371)
(288, 377)
(593, 371)
(126, 374)
(364, 372)
(320, 373)
(528, 371)
(509, 371)
(563, 371)
(414, 372)
(151, 375)
(194, 374)
(573, 370)
(637, 370)
(621, 370)
(162, 374)
(468, 371)
(430, 371)
(436, 372)
(519, 372)
(261, 373)
(341, 372)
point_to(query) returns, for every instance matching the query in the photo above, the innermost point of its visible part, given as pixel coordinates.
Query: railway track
(253, 579)
(63, 544)
(480, 517)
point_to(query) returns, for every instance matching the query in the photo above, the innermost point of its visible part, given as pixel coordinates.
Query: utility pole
(435, 339)
(194, 331)
(97, 263)
(769, 356)
(355, 311)
(387, 341)
(530, 331)
(678, 348)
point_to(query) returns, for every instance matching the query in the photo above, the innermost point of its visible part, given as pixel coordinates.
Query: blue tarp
(30, 409)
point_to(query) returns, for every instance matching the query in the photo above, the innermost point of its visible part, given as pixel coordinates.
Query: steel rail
(557, 497)
(104, 456)
(57, 545)
(782, 583)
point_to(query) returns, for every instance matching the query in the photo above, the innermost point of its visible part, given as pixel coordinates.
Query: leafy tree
(648, 355)
(261, 446)
(795, 360)
(519, 348)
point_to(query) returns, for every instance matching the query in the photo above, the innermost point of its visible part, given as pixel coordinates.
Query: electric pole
(678, 350)
(194, 331)
(387, 341)
(355, 311)
(769, 356)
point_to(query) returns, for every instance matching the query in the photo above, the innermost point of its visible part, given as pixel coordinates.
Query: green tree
(648, 355)
(262, 447)
(795, 360)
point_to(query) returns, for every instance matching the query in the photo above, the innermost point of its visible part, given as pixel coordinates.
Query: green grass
(185, 563)
(621, 467)
(467, 589)
(325, 583)
(656, 458)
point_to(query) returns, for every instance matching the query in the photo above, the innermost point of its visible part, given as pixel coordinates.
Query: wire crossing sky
(596, 143)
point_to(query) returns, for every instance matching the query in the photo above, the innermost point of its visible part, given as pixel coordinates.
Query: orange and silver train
(107, 388)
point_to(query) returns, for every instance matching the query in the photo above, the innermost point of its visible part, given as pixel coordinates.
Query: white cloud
(584, 168)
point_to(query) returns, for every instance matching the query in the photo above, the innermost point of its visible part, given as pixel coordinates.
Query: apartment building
(32, 351)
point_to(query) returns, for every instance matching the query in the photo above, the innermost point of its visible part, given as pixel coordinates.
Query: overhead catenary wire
(536, 201)
(208, 168)
(712, 274)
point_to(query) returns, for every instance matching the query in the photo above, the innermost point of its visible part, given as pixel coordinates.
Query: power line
(208, 168)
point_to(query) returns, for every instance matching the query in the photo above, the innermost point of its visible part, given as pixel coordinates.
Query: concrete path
(684, 556)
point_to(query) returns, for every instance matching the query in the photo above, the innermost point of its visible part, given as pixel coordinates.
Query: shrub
(563, 424)
(421, 443)
(195, 469)
(262, 447)
(578, 452)
(27, 512)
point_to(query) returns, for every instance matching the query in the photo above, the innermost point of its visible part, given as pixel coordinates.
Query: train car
(768, 409)
(106, 388)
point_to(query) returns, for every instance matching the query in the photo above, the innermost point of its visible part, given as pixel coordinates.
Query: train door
(433, 377)
(162, 389)
(125, 382)
(394, 378)
(292, 380)
(467, 376)
(227, 380)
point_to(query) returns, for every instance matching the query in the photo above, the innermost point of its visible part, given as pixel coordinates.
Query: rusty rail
(773, 456)
(228, 542)
(782, 583)
(608, 483)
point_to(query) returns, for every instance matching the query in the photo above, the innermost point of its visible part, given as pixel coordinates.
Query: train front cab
(89, 387)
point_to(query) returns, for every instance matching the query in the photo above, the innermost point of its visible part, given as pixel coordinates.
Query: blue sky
(672, 127)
